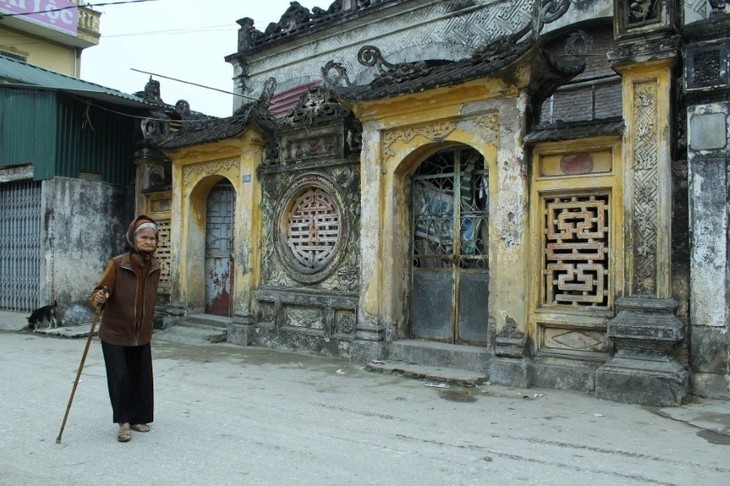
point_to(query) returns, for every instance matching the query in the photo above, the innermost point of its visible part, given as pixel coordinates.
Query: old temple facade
(535, 191)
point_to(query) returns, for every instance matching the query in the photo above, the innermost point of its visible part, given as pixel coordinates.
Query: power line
(183, 30)
(21, 14)
(195, 84)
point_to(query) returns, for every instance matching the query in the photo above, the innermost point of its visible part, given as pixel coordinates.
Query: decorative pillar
(707, 88)
(645, 330)
(369, 340)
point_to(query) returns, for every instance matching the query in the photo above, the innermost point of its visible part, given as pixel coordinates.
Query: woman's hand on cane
(101, 296)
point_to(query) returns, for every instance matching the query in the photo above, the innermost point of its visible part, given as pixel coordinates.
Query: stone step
(192, 335)
(435, 354)
(437, 376)
(206, 320)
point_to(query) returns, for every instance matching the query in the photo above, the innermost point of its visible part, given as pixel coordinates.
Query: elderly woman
(131, 280)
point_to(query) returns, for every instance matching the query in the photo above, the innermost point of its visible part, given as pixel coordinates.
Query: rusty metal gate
(450, 280)
(218, 250)
(20, 245)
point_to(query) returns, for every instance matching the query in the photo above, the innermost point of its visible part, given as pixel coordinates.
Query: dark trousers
(129, 378)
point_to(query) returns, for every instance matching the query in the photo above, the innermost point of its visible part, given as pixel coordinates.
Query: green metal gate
(450, 274)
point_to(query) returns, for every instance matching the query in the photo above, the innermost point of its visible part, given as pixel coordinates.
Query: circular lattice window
(311, 229)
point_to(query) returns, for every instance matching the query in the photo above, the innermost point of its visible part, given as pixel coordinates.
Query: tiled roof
(209, 130)
(15, 73)
(504, 56)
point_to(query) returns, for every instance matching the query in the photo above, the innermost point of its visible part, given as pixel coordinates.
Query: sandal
(141, 427)
(124, 434)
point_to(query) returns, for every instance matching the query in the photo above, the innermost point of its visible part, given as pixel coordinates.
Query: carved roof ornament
(718, 6)
(293, 19)
(316, 107)
(299, 20)
(394, 73)
(210, 129)
(267, 94)
(548, 11)
(152, 92)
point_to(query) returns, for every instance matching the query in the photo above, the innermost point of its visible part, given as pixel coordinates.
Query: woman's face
(146, 240)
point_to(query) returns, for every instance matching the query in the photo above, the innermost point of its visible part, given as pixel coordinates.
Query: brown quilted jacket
(132, 282)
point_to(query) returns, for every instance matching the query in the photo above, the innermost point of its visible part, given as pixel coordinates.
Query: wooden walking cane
(99, 308)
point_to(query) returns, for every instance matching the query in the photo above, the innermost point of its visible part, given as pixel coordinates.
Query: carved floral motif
(196, 172)
(435, 132)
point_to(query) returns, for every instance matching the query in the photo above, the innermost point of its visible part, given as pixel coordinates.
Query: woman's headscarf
(140, 223)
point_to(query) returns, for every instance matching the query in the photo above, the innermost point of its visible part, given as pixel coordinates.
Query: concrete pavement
(234, 415)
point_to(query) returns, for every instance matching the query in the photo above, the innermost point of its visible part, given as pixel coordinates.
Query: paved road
(230, 415)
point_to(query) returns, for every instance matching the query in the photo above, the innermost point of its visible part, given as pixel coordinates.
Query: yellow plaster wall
(40, 52)
(195, 171)
(400, 133)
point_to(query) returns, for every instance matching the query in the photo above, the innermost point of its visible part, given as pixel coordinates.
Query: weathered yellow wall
(39, 52)
(194, 172)
(400, 133)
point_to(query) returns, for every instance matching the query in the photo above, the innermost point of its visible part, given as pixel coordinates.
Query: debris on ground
(437, 385)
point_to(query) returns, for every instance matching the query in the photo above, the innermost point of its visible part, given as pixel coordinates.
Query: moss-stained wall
(84, 224)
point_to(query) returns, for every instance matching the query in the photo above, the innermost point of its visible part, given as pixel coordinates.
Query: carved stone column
(707, 88)
(645, 329)
(370, 333)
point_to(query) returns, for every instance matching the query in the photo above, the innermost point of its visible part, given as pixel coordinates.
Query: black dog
(43, 315)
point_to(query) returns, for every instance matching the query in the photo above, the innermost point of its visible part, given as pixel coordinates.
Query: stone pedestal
(643, 370)
(240, 330)
(173, 315)
(509, 366)
(369, 343)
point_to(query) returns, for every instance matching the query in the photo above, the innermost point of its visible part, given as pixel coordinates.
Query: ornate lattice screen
(576, 250)
(163, 253)
(314, 228)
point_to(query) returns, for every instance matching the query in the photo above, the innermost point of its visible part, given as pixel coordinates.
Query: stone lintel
(645, 51)
(714, 27)
(146, 155)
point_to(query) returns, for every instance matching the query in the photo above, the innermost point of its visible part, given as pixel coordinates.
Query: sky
(182, 39)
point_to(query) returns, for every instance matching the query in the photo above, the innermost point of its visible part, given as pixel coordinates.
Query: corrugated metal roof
(19, 74)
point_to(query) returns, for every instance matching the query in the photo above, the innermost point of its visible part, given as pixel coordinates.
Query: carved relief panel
(310, 213)
(641, 17)
(309, 230)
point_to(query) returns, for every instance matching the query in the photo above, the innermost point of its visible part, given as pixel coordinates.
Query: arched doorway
(219, 235)
(449, 248)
